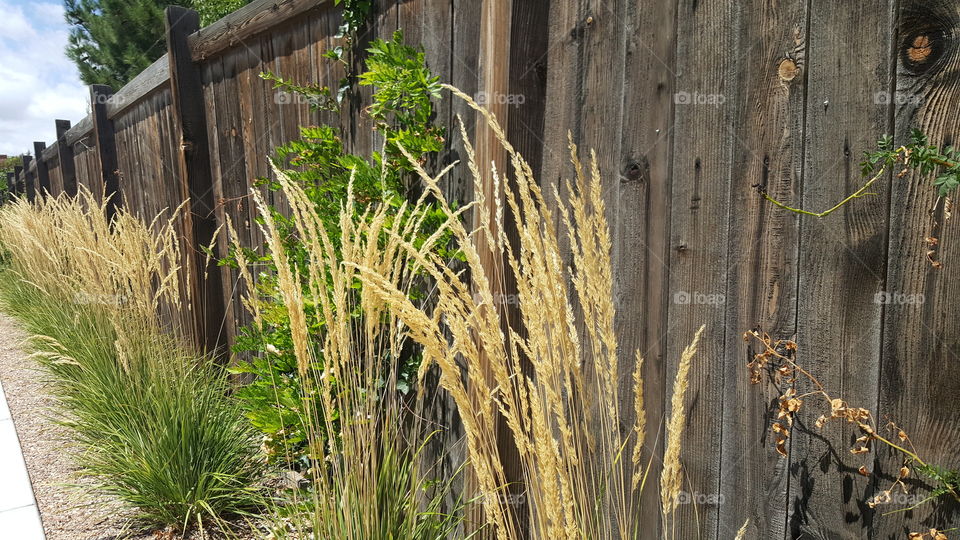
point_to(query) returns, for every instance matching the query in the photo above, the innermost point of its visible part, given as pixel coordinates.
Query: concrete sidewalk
(19, 517)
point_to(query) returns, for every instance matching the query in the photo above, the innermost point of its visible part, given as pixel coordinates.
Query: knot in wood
(920, 50)
(788, 70)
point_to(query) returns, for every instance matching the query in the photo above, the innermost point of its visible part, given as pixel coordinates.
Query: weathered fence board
(690, 105)
(767, 138)
(919, 355)
(842, 260)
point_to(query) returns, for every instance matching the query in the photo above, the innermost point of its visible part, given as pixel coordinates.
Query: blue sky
(38, 83)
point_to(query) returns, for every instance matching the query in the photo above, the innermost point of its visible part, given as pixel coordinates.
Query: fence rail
(690, 105)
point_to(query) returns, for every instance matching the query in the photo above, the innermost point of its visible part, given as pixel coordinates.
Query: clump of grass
(153, 422)
(369, 476)
(553, 375)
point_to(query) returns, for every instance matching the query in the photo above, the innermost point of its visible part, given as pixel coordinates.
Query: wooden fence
(690, 105)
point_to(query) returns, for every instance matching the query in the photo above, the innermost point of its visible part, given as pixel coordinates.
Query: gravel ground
(65, 512)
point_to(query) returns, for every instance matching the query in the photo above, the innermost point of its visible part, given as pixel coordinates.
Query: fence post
(43, 174)
(65, 152)
(28, 180)
(106, 146)
(11, 186)
(193, 161)
(21, 187)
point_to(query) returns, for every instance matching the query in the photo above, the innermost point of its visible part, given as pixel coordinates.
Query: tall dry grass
(369, 475)
(553, 375)
(70, 252)
(152, 421)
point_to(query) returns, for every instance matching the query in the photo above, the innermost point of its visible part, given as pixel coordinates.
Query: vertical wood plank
(232, 178)
(920, 371)
(494, 47)
(842, 259)
(65, 165)
(464, 74)
(707, 101)
(762, 272)
(641, 231)
(194, 168)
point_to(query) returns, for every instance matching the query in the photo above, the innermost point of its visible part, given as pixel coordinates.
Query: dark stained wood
(28, 177)
(232, 186)
(465, 75)
(11, 186)
(449, 35)
(53, 167)
(920, 371)
(194, 172)
(106, 148)
(245, 23)
(65, 164)
(18, 178)
(43, 175)
(842, 262)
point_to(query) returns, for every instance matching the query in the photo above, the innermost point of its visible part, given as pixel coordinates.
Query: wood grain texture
(494, 53)
(920, 372)
(842, 260)
(105, 147)
(156, 76)
(689, 104)
(254, 18)
(708, 100)
(762, 257)
(641, 232)
(53, 167)
(80, 130)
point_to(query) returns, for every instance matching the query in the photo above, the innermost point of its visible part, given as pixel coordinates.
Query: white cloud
(38, 83)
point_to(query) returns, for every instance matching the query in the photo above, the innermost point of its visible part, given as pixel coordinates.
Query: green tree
(111, 41)
(7, 165)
